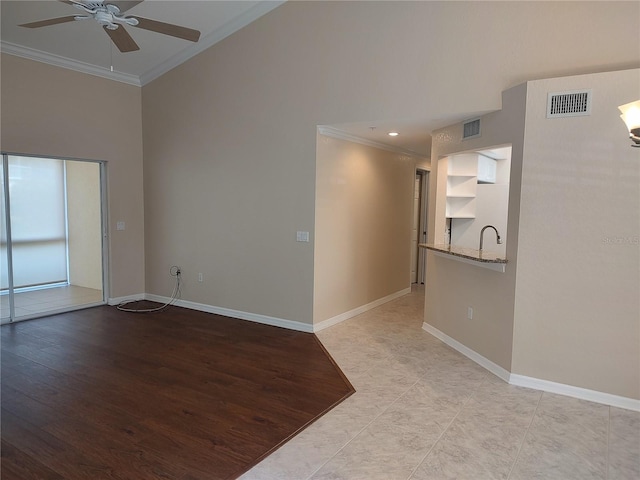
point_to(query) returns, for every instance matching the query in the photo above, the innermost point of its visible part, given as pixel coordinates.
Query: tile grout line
(361, 430)
(468, 399)
(524, 437)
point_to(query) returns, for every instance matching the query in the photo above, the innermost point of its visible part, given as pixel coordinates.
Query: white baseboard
(128, 298)
(264, 319)
(576, 392)
(535, 383)
(357, 311)
(494, 368)
(252, 317)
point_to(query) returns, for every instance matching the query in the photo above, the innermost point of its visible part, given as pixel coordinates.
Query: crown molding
(333, 132)
(211, 39)
(64, 62)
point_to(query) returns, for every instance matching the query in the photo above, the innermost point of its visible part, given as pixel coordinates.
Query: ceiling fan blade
(168, 29)
(122, 39)
(51, 21)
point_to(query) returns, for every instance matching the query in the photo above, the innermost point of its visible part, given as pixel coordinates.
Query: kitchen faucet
(498, 239)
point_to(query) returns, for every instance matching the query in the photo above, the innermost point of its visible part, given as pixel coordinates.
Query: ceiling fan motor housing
(106, 15)
(106, 19)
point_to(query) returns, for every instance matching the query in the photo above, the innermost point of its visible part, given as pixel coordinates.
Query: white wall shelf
(462, 183)
(461, 207)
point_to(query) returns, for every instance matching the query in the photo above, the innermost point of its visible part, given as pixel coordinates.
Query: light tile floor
(37, 302)
(423, 411)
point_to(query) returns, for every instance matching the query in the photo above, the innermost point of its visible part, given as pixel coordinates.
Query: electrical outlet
(470, 313)
(200, 277)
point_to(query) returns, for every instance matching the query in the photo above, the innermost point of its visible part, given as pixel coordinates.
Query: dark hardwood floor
(179, 394)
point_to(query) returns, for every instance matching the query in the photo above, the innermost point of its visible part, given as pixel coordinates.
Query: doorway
(52, 242)
(419, 232)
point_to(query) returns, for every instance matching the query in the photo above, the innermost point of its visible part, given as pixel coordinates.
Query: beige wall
(566, 310)
(230, 136)
(51, 111)
(577, 314)
(364, 206)
(452, 286)
(84, 224)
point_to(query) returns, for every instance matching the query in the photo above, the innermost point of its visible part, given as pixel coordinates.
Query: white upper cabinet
(487, 168)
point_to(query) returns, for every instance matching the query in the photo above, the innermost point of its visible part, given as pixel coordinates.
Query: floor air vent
(569, 104)
(471, 129)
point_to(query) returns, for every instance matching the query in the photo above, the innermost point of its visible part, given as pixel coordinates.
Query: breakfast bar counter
(479, 258)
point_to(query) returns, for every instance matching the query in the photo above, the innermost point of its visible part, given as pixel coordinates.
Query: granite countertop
(468, 253)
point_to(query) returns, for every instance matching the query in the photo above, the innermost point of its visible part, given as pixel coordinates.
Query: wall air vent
(569, 104)
(471, 129)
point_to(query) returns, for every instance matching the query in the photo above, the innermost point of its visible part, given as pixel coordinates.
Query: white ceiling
(414, 135)
(84, 46)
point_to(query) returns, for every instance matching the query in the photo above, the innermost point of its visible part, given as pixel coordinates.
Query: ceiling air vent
(471, 129)
(569, 104)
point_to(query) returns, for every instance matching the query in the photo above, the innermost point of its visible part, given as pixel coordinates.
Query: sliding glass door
(6, 286)
(52, 238)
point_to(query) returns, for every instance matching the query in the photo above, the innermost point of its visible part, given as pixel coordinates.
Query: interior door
(422, 225)
(415, 233)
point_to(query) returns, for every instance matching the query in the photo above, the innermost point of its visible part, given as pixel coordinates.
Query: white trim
(264, 319)
(64, 62)
(535, 383)
(357, 311)
(252, 317)
(242, 20)
(333, 132)
(56, 311)
(128, 298)
(575, 392)
(497, 370)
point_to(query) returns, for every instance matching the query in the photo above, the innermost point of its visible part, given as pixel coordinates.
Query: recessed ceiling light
(393, 134)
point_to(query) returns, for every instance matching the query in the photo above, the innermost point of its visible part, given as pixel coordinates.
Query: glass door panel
(38, 221)
(53, 243)
(5, 306)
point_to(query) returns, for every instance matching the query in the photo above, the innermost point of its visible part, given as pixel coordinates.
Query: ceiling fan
(113, 20)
